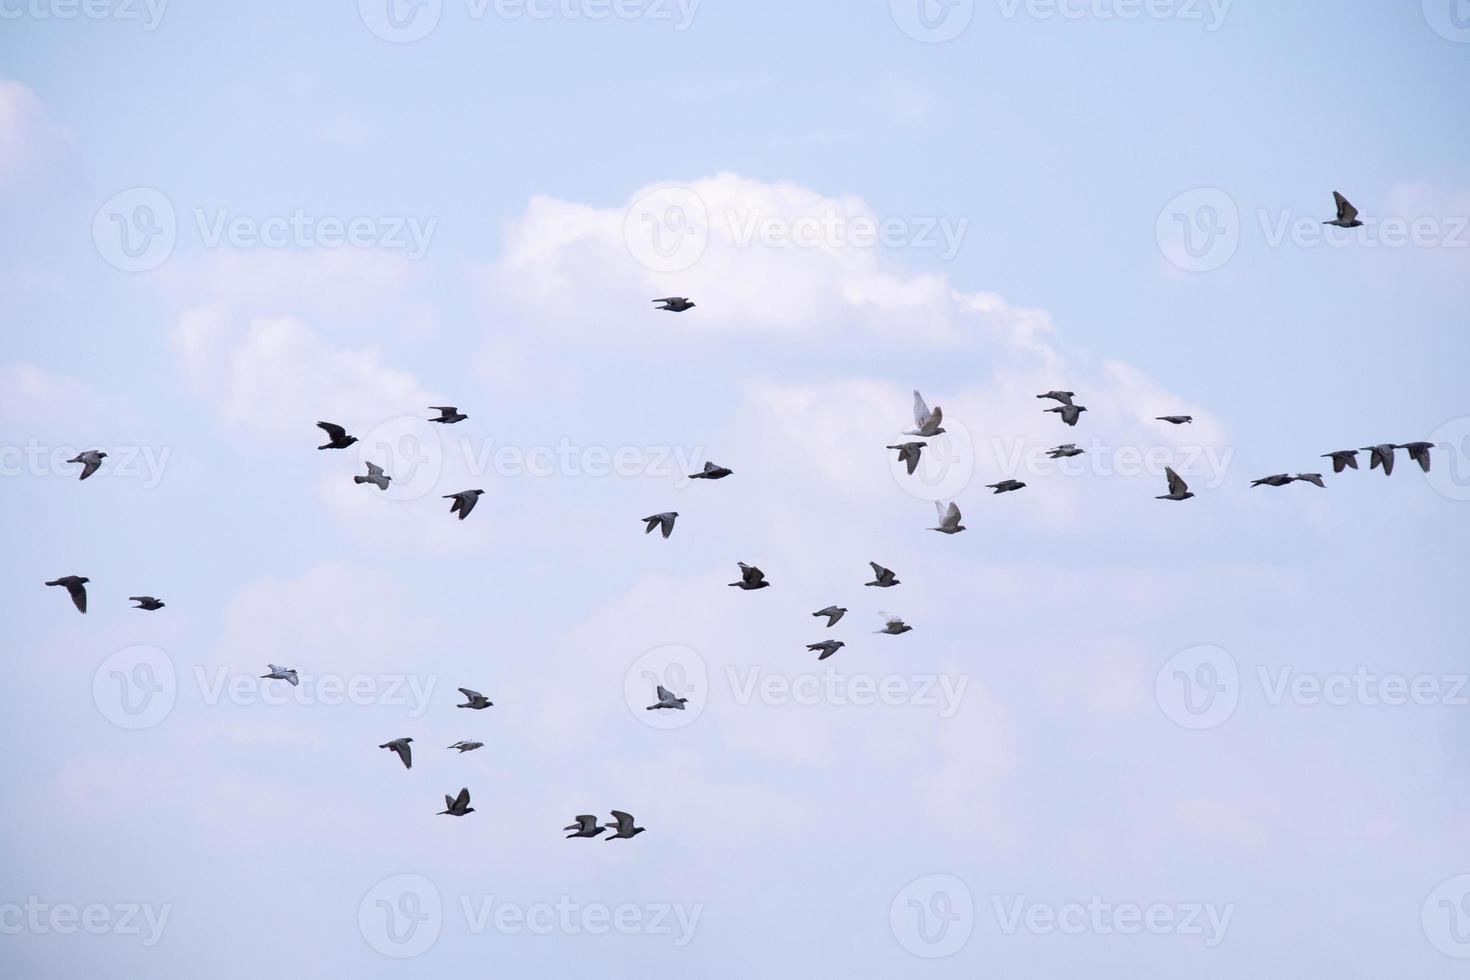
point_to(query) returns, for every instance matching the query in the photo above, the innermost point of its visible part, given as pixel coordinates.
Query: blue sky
(1126, 737)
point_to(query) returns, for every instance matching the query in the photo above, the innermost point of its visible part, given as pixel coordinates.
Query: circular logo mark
(136, 687)
(933, 916)
(1449, 460)
(667, 229)
(410, 454)
(135, 230)
(400, 21)
(1198, 688)
(946, 463)
(932, 21)
(1450, 19)
(1199, 230)
(1446, 917)
(681, 672)
(401, 916)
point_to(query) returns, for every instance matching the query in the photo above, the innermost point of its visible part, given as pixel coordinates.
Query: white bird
(927, 423)
(374, 476)
(949, 519)
(279, 673)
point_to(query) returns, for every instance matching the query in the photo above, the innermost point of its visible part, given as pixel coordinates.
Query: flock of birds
(928, 424)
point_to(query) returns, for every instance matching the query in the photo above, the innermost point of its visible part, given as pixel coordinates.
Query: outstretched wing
(921, 411)
(1345, 211)
(1176, 485)
(332, 429)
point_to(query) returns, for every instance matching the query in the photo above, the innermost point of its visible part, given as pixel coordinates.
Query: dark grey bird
(464, 746)
(1347, 215)
(1178, 489)
(1419, 453)
(1278, 480)
(751, 578)
(448, 414)
(90, 460)
(664, 522)
(676, 304)
(1310, 478)
(833, 614)
(1065, 397)
(624, 826)
(586, 826)
(464, 502)
(337, 437)
(1005, 486)
(375, 476)
(1176, 419)
(1381, 455)
(926, 423)
(475, 700)
(1069, 413)
(1342, 459)
(882, 577)
(826, 648)
(279, 673)
(711, 471)
(457, 806)
(949, 518)
(908, 452)
(76, 587)
(667, 700)
(893, 625)
(1065, 451)
(400, 745)
(146, 602)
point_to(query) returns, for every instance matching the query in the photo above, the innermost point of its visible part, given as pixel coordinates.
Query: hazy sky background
(1110, 710)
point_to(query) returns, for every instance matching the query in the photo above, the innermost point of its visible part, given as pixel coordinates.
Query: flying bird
(666, 699)
(1178, 489)
(76, 587)
(374, 476)
(1342, 459)
(711, 471)
(949, 518)
(826, 647)
(675, 304)
(893, 625)
(1419, 453)
(833, 614)
(448, 414)
(624, 825)
(400, 745)
(1381, 455)
(751, 578)
(1279, 480)
(464, 746)
(464, 502)
(1069, 413)
(337, 437)
(474, 700)
(1005, 486)
(586, 826)
(90, 460)
(1065, 397)
(882, 577)
(1310, 478)
(1176, 419)
(664, 522)
(279, 673)
(459, 805)
(145, 602)
(1065, 451)
(1347, 215)
(927, 423)
(908, 452)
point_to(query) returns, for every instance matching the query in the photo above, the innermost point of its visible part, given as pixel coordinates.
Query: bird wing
(878, 570)
(750, 574)
(445, 409)
(663, 693)
(463, 799)
(89, 466)
(952, 515)
(921, 411)
(1176, 485)
(78, 594)
(405, 753)
(472, 695)
(332, 429)
(1345, 211)
(374, 470)
(625, 820)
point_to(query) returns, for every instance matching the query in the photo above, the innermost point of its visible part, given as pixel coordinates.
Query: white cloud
(27, 139)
